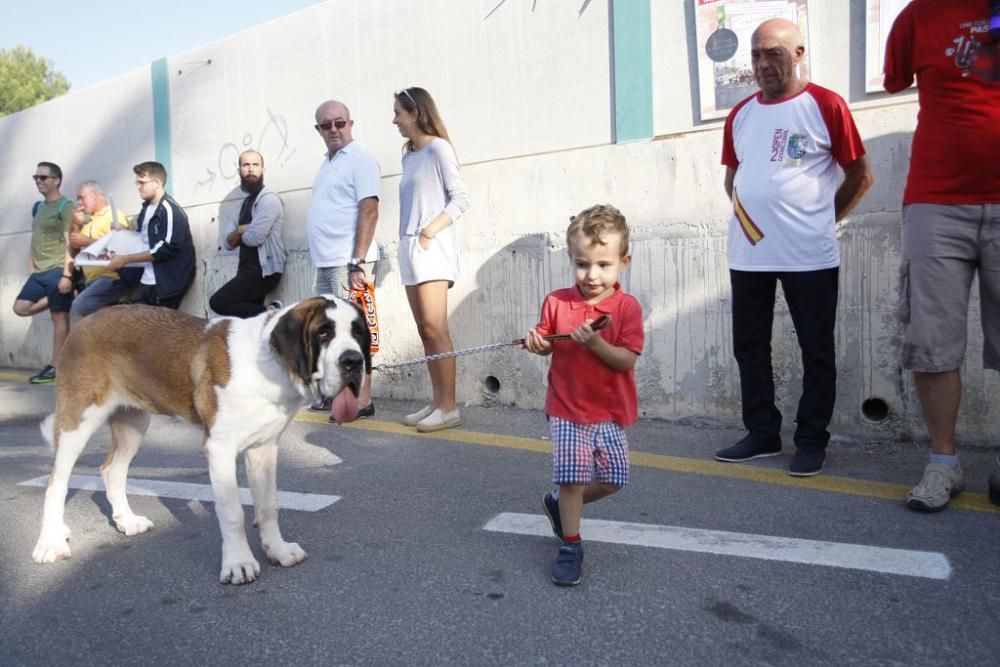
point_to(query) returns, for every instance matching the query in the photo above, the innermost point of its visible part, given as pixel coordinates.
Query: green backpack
(38, 204)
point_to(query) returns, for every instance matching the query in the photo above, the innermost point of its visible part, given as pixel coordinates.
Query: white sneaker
(414, 419)
(939, 485)
(438, 421)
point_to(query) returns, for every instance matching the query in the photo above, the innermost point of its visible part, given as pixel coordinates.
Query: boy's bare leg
(572, 498)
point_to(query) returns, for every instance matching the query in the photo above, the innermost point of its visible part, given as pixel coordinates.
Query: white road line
(927, 564)
(287, 500)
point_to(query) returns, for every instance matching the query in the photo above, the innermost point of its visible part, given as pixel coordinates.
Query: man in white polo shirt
(342, 216)
(782, 147)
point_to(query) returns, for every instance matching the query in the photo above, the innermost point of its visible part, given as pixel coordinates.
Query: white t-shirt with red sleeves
(785, 154)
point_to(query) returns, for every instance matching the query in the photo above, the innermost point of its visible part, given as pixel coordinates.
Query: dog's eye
(325, 332)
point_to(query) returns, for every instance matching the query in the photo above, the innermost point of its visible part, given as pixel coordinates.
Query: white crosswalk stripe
(926, 564)
(287, 500)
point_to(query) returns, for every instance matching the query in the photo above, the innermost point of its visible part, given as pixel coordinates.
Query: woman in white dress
(432, 198)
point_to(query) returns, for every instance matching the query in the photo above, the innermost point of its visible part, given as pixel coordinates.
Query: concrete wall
(535, 106)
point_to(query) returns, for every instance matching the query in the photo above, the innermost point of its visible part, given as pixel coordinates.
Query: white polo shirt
(350, 175)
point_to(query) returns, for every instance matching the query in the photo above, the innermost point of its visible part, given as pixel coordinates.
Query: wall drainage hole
(875, 409)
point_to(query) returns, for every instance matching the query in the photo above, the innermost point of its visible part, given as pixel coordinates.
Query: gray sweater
(264, 231)
(431, 183)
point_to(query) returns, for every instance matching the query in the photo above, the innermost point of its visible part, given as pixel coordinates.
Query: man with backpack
(50, 285)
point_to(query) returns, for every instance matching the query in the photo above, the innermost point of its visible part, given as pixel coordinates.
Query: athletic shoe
(324, 405)
(44, 376)
(807, 461)
(551, 507)
(416, 417)
(568, 569)
(940, 484)
(751, 447)
(439, 420)
(994, 482)
(362, 413)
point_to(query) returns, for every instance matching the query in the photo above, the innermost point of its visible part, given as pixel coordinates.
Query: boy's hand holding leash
(585, 334)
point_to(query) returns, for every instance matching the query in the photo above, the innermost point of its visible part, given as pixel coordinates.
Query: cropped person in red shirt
(592, 394)
(951, 215)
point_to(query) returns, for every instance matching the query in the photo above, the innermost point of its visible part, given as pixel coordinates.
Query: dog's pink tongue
(345, 406)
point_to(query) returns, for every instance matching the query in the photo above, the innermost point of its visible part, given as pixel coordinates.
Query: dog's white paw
(286, 554)
(239, 570)
(49, 550)
(133, 524)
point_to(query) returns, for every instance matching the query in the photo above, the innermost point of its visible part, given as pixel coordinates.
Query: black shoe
(807, 461)
(551, 507)
(568, 569)
(44, 376)
(322, 406)
(751, 447)
(994, 482)
(362, 413)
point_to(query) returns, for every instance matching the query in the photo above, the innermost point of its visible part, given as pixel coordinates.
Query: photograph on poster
(723, 29)
(880, 16)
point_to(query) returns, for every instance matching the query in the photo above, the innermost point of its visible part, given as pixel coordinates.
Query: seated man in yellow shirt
(103, 286)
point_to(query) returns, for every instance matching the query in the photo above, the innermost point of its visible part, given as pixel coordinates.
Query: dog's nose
(351, 361)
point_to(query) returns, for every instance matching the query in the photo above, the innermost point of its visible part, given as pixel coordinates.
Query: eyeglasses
(328, 125)
(42, 177)
(139, 182)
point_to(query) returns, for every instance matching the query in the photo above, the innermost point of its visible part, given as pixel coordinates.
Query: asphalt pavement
(420, 561)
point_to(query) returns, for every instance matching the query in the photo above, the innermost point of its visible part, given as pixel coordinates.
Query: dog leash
(600, 323)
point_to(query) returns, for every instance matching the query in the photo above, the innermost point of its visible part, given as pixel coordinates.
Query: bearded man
(257, 233)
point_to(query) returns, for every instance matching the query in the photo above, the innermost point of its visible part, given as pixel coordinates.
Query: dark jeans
(812, 303)
(244, 295)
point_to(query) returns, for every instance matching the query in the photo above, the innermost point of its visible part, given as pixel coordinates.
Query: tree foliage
(27, 80)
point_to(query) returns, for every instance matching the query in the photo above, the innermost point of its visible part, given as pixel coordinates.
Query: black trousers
(812, 303)
(244, 295)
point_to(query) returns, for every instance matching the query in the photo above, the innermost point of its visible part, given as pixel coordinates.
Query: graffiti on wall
(271, 141)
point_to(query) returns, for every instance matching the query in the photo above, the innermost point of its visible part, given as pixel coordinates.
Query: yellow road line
(843, 485)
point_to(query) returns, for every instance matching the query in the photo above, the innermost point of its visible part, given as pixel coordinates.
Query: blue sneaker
(551, 507)
(568, 569)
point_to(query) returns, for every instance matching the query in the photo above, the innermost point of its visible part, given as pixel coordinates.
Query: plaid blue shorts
(586, 453)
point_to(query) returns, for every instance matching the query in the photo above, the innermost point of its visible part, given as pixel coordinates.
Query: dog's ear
(295, 340)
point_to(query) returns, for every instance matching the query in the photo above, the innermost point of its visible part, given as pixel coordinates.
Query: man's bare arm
(858, 177)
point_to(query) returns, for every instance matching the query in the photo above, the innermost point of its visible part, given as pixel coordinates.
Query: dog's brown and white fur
(242, 380)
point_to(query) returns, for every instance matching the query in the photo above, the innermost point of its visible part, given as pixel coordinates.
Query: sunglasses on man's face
(42, 177)
(328, 125)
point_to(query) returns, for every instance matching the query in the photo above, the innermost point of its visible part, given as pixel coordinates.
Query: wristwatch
(354, 264)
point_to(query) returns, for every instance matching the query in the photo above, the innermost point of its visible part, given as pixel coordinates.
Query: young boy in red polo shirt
(592, 394)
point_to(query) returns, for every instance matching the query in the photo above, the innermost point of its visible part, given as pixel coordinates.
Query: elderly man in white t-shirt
(784, 149)
(342, 216)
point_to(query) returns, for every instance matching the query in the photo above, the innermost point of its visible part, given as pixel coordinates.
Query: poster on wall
(723, 29)
(881, 14)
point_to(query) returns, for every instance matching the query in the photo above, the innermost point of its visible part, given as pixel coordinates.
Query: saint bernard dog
(241, 380)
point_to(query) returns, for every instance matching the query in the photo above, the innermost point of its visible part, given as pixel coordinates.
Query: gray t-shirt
(431, 183)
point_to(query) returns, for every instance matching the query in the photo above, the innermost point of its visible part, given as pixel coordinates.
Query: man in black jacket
(170, 261)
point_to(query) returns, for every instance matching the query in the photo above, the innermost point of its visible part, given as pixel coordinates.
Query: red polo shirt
(582, 388)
